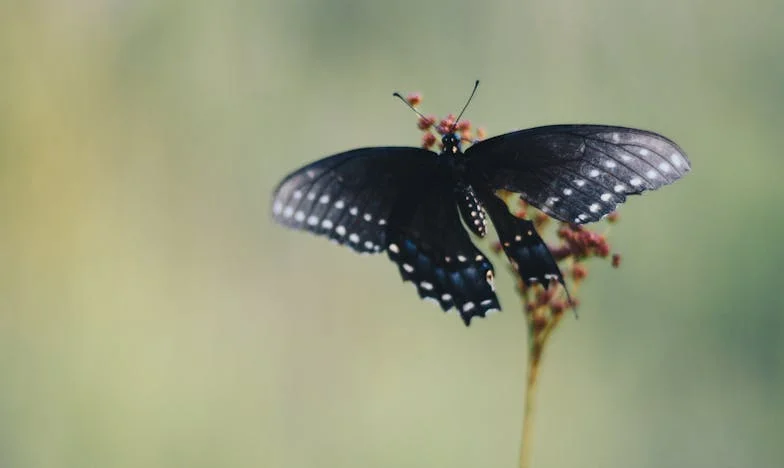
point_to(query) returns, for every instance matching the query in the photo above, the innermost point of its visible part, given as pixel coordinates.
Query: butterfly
(419, 206)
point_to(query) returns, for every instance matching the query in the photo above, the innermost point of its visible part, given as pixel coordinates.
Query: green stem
(528, 410)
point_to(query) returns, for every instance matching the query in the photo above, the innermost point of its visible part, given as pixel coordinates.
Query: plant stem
(528, 410)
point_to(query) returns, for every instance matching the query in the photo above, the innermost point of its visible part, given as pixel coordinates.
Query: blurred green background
(152, 315)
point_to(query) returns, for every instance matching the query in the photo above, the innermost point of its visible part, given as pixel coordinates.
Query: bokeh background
(152, 315)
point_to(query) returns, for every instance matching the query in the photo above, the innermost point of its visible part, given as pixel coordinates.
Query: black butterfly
(412, 203)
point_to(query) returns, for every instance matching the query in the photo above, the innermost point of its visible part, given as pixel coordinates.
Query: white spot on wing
(311, 196)
(394, 248)
(651, 174)
(339, 204)
(299, 216)
(340, 230)
(426, 285)
(297, 194)
(594, 173)
(326, 224)
(354, 210)
(594, 207)
(579, 182)
(368, 245)
(461, 258)
(644, 152)
(277, 208)
(312, 220)
(353, 237)
(468, 306)
(567, 191)
(616, 138)
(288, 211)
(677, 160)
(446, 297)
(368, 217)
(609, 164)
(408, 267)
(665, 167)
(636, 181)
(382, 222)
(606, 196)
(619, 188)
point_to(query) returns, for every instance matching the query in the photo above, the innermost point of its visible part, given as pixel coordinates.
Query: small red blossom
(579, 272)
(445, 125)
(428, 140)
(425, 123)
(557, 307)
(414, 99)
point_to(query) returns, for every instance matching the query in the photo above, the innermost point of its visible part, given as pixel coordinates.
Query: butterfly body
(413, 203)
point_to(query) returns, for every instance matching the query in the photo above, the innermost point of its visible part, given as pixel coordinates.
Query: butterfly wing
(399, 200)
(434, 251)
(526, 250)
(577, 173)
(349, 197)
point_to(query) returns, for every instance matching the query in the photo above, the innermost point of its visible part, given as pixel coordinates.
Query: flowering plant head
(571, 245)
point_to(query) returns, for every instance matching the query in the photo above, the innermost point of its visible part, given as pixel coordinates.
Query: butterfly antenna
(454, 125)
(405, 101)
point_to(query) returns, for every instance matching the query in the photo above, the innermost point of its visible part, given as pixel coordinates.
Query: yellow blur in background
(151, 314)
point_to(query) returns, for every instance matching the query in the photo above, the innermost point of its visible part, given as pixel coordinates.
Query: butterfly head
(451, 144)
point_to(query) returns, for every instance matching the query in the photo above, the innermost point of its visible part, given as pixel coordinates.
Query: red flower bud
(428, 140)
(424, 123)
(579, 272)
(464, 125)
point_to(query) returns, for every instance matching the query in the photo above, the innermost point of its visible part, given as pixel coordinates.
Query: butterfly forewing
(349, 197)
(577, 173)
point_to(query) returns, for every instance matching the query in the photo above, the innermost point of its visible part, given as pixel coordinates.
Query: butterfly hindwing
(433, 250)
(525, 249)
(577, 173)
(349, 197)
